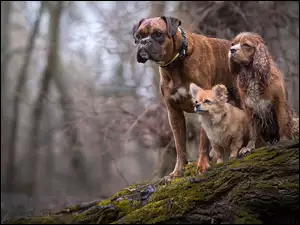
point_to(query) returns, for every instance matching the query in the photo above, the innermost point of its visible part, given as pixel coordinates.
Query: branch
(263, 188)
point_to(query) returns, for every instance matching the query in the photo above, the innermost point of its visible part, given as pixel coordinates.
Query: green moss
(288, 185)
(190, 170)
(122, 193)
(125, 206)
(73, 208)
(264, 185)
(258, 154)
(245, 218)
(151, 213)
(178, 180)
(105, 202)
(175, 188)
(39, 220)
(235, 163)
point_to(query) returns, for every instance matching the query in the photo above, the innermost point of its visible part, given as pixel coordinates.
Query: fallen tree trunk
(262, 187)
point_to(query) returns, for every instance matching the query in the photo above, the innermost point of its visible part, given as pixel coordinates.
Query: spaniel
(261, 87)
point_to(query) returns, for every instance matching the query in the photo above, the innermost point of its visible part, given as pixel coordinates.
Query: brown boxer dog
(183, 58)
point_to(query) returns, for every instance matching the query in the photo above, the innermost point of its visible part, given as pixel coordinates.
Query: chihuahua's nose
(197, 106)
(232, 50)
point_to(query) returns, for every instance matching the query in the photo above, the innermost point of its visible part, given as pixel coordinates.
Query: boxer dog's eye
(157, 34)
(138, 36)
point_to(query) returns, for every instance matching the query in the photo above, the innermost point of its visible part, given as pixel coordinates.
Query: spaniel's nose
(232, 50)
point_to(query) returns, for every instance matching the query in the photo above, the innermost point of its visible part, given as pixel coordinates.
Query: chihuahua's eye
(207, 101)
(157, 34)
(196, 102)
(232, 44)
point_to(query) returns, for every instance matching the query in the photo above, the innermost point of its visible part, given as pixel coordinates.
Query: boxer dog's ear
(136, 27)
(172, 25)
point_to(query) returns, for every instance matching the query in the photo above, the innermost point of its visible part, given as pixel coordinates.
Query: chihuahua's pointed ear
(221, 92)
(172, 25)
(194, 89)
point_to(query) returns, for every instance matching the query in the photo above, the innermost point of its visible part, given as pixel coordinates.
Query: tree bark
(5, 44)
(49, 145)
(262, 187)
(10, 172)
(50, 69)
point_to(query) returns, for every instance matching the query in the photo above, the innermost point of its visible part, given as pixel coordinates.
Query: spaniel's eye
(246, 45)
(207, 101)
(157, 34)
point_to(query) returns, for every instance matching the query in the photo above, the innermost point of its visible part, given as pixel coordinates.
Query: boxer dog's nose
(145, 41)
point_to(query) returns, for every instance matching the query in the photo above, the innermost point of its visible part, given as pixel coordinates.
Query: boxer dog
(183, 58)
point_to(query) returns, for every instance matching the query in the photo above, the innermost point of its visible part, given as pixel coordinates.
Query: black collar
(181, 54)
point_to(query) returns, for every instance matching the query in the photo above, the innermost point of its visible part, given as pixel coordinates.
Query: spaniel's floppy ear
(172, 25)
(194, 89)
(221, 92)
(136, 27)
(261, 61)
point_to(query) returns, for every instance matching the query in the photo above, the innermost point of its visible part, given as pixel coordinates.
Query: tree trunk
(74, 149)
(49, 145)
(5, 44)
(165, 161)
(51, 68)
(262, 187)
(10, 172)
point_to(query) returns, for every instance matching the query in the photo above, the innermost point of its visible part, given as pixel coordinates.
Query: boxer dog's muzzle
(148, 49)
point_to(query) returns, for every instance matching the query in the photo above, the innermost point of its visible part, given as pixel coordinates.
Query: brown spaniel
(261, 87)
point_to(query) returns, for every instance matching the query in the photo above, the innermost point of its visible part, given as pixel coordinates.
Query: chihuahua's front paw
(203, 164)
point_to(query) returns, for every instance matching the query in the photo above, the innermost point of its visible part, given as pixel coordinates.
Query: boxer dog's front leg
(177, 123)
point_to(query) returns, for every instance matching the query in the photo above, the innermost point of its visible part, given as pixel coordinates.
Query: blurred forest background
(80, 118)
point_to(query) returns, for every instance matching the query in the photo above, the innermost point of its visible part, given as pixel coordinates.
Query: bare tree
(67, 104)
(47, 141)
(51, 68)
(5, 43)
(10, 172)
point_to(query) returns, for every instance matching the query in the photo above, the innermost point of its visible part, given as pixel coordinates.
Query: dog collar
(179, 55)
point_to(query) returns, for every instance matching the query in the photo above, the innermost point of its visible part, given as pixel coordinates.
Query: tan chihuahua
(226, 126)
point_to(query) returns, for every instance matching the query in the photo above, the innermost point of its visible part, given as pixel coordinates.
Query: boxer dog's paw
(203, 164)
(175, 174)
(219, 160)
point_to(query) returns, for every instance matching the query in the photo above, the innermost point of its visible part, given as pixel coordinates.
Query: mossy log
(262, 187)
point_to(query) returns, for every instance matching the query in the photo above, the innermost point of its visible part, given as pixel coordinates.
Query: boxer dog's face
(153, 37)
